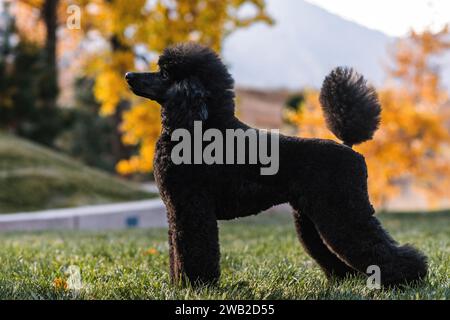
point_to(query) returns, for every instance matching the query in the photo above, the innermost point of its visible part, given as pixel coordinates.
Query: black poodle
(324, 182)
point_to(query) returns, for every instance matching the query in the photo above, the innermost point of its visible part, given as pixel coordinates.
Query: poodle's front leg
(194, 243)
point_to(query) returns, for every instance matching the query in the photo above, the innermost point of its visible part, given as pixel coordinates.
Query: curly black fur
(325, 182)
(351, 107)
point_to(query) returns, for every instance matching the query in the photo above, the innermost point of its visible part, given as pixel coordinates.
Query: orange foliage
(413, 65)
(28, 19)
(413, 142)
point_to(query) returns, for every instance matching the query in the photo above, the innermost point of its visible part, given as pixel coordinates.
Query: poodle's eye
(164, 75)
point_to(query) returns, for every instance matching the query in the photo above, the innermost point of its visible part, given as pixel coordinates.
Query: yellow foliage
(136, 131)
(110, 88)
(106, 92)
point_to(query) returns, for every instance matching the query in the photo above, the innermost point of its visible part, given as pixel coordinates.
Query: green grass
(261, 259)
(34, 178)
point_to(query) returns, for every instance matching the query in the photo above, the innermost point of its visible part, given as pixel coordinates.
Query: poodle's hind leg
(194, 243)
(347, 225)
(309, 237)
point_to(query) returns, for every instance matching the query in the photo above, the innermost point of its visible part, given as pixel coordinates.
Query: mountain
(305, 43)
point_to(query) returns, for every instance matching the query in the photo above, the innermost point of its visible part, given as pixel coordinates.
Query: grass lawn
(35, 178)
(261, 259)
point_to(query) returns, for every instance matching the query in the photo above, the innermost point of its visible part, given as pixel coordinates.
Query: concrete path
(137, 214)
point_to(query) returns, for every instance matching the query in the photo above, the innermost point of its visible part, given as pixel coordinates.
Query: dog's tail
(351, 107)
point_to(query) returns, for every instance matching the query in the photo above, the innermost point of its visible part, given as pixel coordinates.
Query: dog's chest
(168, 176)
(162, 161)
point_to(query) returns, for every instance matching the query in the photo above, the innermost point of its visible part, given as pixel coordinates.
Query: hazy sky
(394, 17)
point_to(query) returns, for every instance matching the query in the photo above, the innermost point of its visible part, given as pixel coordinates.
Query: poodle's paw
(409, 266)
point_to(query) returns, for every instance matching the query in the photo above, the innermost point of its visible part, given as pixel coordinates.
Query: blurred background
(72, 134)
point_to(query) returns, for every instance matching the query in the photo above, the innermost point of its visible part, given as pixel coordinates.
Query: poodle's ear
(191, 98)
(198, 98)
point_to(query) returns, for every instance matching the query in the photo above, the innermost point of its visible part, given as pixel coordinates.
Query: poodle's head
(192, 80)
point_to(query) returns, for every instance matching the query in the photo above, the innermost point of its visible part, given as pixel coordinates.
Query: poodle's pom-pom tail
(351, 107)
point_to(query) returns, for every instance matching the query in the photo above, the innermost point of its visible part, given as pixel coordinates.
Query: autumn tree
(412, 144)
(415, 68)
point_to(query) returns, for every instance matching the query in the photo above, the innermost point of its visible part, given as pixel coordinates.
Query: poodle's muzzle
(148, 85)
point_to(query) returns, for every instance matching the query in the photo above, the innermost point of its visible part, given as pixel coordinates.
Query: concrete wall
(139, 214)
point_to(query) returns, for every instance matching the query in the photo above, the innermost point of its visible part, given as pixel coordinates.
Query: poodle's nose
(129, 75)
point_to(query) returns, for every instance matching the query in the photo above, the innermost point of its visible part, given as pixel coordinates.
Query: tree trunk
(119, 149)
(50, 81)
